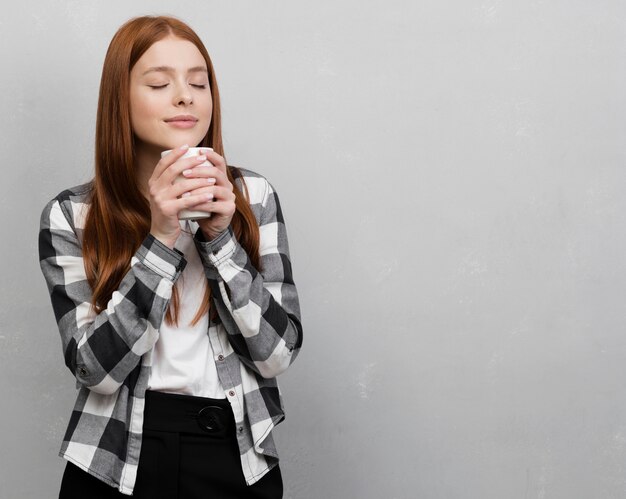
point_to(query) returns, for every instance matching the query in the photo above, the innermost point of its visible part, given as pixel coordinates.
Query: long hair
(118, 219)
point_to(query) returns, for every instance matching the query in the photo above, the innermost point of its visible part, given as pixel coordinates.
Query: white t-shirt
(182, 358)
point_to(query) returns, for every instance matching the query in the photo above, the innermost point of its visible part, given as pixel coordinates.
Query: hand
(222, 198)
(167, 199)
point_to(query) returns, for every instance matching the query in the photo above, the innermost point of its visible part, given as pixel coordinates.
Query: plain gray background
(452, 177)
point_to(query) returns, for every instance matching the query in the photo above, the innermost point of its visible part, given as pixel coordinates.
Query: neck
(146, 159)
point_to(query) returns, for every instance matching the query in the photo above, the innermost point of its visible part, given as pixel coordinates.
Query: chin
(185, 138)
(173, 144)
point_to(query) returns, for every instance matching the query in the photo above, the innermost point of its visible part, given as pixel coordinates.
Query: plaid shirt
(257, 336)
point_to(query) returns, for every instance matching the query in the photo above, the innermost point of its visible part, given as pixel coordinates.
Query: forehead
(174, 53)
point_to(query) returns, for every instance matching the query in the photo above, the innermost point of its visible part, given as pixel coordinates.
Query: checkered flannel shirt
(257, 336)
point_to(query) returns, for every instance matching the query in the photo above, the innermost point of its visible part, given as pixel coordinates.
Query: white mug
(191, 214)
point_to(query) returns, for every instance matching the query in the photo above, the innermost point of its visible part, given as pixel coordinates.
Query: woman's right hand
(168, 198)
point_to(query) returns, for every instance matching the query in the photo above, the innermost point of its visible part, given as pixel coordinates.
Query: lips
(182, 117)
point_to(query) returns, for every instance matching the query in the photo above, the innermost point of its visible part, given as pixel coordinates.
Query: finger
(201, 190)
(183, 164)
(219, 193)
(168, 160)
(190, 201)
(190, 185)
(221, 208)
(217, 160)
(208, 172)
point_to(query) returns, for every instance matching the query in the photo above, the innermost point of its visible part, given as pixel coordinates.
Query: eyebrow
(169, 69)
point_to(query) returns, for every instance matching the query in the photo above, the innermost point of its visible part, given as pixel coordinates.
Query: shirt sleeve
(259, 310)
(102, 349)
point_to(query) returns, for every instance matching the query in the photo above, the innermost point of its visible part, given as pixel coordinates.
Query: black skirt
(189, 450)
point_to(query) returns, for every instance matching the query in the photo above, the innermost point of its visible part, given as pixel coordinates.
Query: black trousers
(189, 450)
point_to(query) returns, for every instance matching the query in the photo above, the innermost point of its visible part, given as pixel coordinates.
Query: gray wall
(451, 174)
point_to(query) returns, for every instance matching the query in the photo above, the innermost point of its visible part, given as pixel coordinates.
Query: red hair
(118, 219)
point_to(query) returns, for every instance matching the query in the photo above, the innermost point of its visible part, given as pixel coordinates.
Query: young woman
(175, 330)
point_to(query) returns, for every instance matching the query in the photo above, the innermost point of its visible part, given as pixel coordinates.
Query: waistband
(175, 412)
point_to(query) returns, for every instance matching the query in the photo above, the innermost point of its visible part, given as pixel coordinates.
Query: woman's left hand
(222, 206)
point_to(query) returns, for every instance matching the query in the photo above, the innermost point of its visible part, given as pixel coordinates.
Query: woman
(174, 330)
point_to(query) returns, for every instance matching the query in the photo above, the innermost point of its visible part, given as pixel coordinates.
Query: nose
(183, 95)
(186, 100)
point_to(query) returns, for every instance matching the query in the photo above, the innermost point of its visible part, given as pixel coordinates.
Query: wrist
(168, 241)
(209, 234)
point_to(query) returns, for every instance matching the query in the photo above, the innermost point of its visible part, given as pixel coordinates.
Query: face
(179, 86)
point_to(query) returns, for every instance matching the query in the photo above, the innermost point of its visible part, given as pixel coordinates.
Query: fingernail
(187, 172)
(186, 146)
(185, 194)
(209, 197)
(210, 180)
(200, 158)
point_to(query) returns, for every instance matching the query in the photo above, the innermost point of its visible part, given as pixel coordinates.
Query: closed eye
(157, 87)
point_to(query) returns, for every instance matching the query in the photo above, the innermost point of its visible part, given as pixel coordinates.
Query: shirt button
(83, 371)
(220, 358)
(231, 393)
(240, 429)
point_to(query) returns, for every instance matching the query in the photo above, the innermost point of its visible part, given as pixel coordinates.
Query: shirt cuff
(217, 250)
(163, 260)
